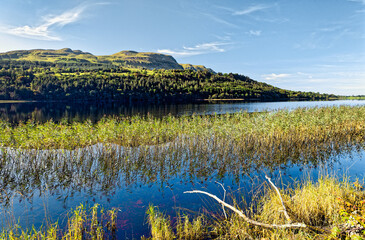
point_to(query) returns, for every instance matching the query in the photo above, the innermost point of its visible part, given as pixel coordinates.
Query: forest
(79, 81)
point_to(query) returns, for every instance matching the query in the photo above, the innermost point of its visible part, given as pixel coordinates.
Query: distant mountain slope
(196, 68)
(147, 60)
(128, 59)
(43, 55)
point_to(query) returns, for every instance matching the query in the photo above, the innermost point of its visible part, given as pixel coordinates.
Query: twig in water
(281, 199)
(224, 199)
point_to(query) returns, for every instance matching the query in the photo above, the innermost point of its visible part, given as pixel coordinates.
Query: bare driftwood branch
(224, 199)
(241, 214)
(281, 199)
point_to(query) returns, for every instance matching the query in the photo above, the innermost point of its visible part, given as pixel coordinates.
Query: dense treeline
(22, 80)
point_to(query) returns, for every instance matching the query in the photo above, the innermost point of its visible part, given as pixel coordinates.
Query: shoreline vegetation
(201, 145)
(196, 101)
(329, 208)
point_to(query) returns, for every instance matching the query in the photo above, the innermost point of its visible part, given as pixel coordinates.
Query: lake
(36, 184)
(43, 111)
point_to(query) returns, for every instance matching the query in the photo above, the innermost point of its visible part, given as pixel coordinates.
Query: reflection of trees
(41, 111)
(103, 168)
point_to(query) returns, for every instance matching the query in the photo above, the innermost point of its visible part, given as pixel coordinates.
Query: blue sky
(306, 45)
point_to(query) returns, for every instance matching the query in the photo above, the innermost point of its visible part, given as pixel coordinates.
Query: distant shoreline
(18, 101)
(175, 102)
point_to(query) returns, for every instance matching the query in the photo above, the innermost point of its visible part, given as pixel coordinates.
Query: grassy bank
(330, 208)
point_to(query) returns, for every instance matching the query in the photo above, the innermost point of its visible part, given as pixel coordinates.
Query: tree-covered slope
(41, 80)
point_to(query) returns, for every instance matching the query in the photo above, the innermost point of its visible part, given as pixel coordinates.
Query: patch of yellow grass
(317, 204)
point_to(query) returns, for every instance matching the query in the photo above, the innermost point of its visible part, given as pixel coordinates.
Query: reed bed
(125, 151)
(303, 127)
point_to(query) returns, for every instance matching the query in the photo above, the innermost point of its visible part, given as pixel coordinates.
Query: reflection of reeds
(145, 150)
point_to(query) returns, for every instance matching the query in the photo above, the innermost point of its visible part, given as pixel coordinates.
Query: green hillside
(127, 59)
(196, 67)
(55, 81)
(54, 56)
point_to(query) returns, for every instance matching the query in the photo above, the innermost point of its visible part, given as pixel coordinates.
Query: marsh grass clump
(163, 228)
(160, 224)
(330, 208)
(316, 204)
(194, 229)
(82, 223)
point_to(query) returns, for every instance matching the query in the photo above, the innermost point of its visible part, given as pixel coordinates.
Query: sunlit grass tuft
(160, 224)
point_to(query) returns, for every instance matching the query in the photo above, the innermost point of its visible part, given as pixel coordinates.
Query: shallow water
(36, 184)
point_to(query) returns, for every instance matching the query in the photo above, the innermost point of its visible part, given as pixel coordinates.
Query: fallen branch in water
(247, 219)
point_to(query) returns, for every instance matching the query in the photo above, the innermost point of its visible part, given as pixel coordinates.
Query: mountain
(127, 59)
(196, 68)
(127, 76)
(43, 55)
(147, 60)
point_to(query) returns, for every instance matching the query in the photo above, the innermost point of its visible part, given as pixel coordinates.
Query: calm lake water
(39, 184)
(41, 111)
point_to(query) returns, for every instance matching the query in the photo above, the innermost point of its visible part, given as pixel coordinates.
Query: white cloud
(224, 38)
(256, 8)
(43, 30)
(251, 9)
(219, 20)
(274, 76)
(254, 32)
(199, 49)
(65, 18)
(360, 1)
(305, 75)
